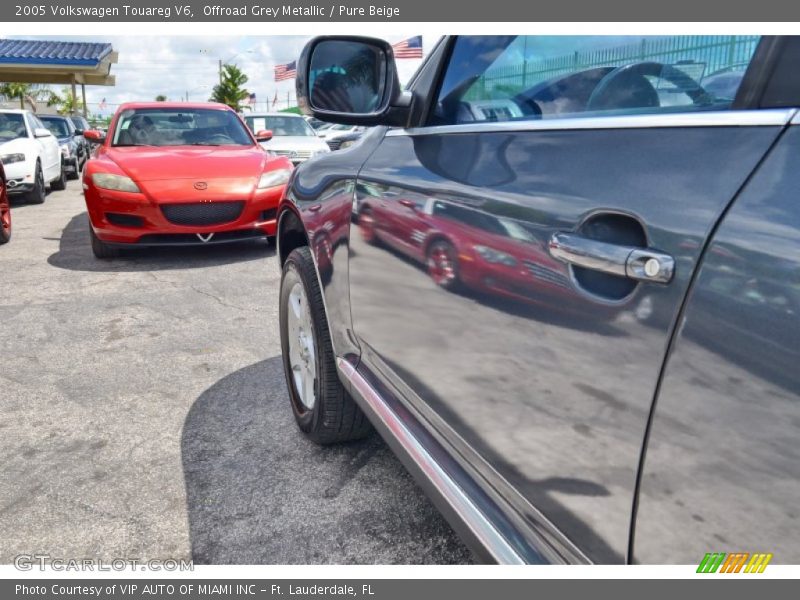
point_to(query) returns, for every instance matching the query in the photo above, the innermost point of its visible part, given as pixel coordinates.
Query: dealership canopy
(33, 61)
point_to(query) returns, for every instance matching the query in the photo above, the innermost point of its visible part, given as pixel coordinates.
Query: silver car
(292, 136)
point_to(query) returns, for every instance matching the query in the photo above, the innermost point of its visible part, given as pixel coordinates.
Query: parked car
(73, 153)
(31, 156)
(170, 174)
(5, 209)
(339, 136)
(315, 123)
(292, 137)
(81, 125)
(543, 437)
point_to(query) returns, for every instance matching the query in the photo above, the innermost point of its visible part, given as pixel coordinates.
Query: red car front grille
(202, 213)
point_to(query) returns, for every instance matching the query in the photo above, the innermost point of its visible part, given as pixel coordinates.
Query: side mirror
(97, 137)
(41, 132)
(79, 132)
(264, 135)
(351, 80)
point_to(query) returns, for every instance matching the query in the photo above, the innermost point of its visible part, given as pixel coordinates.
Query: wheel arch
(291, 233)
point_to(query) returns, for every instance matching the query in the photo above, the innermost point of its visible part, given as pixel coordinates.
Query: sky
(180, 65)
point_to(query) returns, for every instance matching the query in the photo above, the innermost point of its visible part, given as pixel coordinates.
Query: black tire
(335, 417)
(100, 248)
(60, 183)
(77, 172)
(37, 194)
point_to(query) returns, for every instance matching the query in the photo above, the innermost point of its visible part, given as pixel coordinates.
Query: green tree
(161, 98)
(66, 103)
(231, 90)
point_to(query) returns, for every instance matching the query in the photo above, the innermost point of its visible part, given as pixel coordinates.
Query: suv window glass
(503, 78)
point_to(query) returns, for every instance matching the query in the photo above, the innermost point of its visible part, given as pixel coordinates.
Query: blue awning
(34, 52)
(56, 61)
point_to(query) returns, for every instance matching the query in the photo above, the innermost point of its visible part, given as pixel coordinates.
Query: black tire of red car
(60, 183)
(335, 417)
(5, 220)
(442, 263)
(100, 248)
(37, 194)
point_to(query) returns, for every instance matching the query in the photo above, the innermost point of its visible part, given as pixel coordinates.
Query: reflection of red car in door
(464, 246)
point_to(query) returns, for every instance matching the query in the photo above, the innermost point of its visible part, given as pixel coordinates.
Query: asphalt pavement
(143, 414)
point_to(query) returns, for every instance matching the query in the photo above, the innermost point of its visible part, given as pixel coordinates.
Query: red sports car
(177, 174)
(5, 209)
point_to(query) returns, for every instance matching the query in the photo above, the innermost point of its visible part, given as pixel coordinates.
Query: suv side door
(536, 357)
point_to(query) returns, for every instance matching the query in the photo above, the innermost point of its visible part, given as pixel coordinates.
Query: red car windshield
(179, 127)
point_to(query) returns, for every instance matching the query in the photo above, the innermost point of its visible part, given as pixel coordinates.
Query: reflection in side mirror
(347, 77)
(351, 80)
(264, 135)
(98, 137)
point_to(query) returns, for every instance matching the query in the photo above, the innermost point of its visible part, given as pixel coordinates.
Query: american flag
(251, 99)
(287, 71)
(410, 48)
(102, 105)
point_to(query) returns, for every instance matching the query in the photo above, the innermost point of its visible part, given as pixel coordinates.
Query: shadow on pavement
(259, 492)
(75, 253)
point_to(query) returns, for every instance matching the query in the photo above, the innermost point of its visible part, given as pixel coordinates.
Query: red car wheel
(443, 264)
(366, 224)
(5, 216)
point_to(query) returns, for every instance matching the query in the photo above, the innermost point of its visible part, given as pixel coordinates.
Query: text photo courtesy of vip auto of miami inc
(411, 298)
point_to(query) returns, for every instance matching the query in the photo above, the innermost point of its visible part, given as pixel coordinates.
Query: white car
(339, 137)
(292, 136)
(30, 155)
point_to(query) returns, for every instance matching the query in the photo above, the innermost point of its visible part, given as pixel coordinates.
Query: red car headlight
(274, 178)
(109, 181)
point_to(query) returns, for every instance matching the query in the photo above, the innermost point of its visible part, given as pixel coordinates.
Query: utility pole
(220, 71)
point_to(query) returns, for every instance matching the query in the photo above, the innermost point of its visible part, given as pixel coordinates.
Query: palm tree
(230, 89)
(66, 103)
(26, 92)
(161, 98)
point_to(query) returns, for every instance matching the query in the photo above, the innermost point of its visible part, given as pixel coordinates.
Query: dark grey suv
(561, 277)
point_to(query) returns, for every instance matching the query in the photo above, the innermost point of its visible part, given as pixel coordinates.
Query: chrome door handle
(641, 264)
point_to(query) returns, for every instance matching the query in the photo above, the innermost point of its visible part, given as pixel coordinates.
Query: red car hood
(187, 162)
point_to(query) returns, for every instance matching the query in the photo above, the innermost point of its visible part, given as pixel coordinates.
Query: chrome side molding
(772, 117)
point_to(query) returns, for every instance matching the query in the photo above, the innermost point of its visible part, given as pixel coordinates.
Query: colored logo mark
(736, 562)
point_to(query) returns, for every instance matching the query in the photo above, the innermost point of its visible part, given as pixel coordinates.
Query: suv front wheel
(324, 411)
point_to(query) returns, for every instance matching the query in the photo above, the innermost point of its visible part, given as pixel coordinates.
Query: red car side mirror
(264, 135)
(98, 137)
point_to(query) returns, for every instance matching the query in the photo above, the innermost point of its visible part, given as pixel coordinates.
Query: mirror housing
(351, 98)
(94, 136)
(41, 132)
(79, 132)
(264, 135)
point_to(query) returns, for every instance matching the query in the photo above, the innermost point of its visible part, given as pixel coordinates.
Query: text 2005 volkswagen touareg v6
(563, 284)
